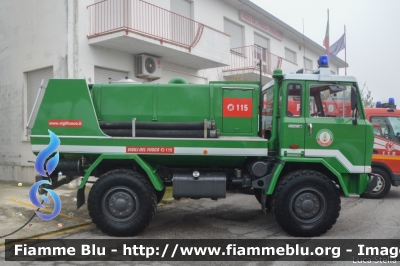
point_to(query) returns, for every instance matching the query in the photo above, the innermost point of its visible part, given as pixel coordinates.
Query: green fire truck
(136, 139)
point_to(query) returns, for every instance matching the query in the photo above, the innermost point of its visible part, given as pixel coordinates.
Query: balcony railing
(145, 19)
(248, 58)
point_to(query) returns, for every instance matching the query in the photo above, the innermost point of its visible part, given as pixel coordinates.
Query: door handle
(310, 127)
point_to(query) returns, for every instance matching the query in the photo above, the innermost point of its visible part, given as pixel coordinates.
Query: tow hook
(373, 182)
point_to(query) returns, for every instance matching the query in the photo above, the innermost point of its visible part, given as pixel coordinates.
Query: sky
(372, 36)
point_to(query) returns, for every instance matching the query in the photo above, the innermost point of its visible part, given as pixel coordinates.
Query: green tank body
(157, 104)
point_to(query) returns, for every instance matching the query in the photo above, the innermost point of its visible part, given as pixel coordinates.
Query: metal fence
(145, 19)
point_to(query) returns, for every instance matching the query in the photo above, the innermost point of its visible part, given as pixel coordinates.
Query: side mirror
(354, 98)
(354, 104)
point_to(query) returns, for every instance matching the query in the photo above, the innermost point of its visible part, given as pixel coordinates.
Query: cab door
(330, 133)
(292, 122)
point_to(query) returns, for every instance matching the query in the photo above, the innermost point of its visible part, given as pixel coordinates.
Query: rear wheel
(383, 186)
(306, 203)
(122, 203)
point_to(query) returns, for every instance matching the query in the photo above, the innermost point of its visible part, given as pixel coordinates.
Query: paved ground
(17, 209)
(236, 217)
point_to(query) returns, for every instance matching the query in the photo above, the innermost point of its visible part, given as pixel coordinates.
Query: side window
(326, 101)
(380, 125)
(293, 101)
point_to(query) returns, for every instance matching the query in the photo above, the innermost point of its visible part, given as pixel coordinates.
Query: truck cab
(315, 119)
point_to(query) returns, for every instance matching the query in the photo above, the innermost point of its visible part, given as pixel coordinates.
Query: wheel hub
(380, 185)
(120, 204)
(307, 205)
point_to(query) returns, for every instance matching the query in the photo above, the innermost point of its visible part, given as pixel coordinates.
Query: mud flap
(80, 196)
(373, 182)
(263, 200)
(263, 183)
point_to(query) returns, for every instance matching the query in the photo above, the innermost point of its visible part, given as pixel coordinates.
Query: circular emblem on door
(324, 137)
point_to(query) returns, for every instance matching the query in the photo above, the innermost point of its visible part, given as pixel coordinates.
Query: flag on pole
(326, 40)
(338, 46)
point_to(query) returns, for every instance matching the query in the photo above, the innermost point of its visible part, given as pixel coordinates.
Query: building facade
(148, 41)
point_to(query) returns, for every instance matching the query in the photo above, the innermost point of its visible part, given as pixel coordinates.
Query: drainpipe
(72, 5)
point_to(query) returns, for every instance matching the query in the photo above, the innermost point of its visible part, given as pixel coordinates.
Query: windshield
(395, 123)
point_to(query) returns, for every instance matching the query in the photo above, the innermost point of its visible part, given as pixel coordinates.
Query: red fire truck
(385, 119)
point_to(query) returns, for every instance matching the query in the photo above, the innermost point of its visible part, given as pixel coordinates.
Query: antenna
(304, 46)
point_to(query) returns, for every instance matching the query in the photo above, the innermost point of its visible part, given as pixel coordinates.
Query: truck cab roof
(321, 74)
(381, 112)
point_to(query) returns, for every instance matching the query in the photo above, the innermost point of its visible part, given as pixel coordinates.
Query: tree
(366, 96)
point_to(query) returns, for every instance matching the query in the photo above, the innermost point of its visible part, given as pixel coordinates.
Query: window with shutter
(236, 33)
(290, 55)
(261, 45)
(308, 64)
(181, 7)
(182, 29)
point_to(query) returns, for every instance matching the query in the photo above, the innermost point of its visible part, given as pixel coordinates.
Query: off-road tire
(383, 186)
(122, 203)
(268, 200)
(306, 203)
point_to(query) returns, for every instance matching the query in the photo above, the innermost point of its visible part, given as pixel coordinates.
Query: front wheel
(383, 185)
(306, 203)
(122, 203)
